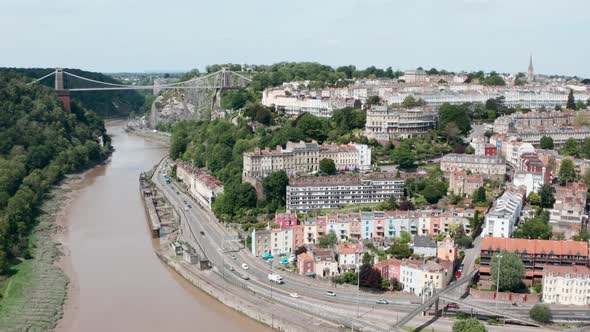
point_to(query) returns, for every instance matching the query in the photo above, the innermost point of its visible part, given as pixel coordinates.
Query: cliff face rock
(181, 104)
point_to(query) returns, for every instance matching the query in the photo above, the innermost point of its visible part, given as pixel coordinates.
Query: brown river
(117, 282)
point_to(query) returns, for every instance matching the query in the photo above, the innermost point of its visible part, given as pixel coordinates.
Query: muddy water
(117, 282)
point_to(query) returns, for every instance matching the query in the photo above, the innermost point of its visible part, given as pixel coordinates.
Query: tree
(400, 250)
(479, 195)
(458, 114)
(390, 204)
(541, 313)
(369, 277)
(275, 189)
(534, 199)
(328, 240)
(410, 101)
(406, 205)
(546, 143)
(570, 147)
(405, 237)
(328, 166)
(403, 156)
(396, 285)
(373, 100)
(312, 127)
(468, 325)
(571, 101)
(451, 131)
(367, 259)
(535, 228)
(567, 171)
(511, 271)
(546, 196)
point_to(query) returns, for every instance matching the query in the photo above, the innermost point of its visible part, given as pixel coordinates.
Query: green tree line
(39, 144)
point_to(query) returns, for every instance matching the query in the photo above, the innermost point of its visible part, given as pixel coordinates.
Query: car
(452, 305)
(184, 201)
(202, 233)
(189, 206)
(294, 295)
(330, 293)
(233, 257)
(244, 266)
(382, 301)
(461, 268)
(244, 276)
(178, 193)
(185, 208)
(231, 268)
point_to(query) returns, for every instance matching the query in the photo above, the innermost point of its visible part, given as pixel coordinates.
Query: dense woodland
(39, 144)
(104, 103)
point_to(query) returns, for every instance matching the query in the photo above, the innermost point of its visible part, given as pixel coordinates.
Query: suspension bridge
(218, 81)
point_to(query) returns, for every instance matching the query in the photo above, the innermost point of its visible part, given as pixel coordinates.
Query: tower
(530, 74)
(63, 95)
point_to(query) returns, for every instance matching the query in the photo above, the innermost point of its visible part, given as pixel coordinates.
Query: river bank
(34, 297)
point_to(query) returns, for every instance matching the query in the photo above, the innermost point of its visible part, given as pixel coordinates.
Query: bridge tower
(62, 94)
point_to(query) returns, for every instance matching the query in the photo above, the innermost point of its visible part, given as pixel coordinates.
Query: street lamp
(498, 281)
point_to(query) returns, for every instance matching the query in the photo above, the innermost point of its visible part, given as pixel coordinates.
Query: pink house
(379, 228)
(298, 236)
(305, 264)
(286, 219)
(389, 268)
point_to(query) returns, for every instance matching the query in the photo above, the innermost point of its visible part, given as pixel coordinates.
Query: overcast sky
(150, 35)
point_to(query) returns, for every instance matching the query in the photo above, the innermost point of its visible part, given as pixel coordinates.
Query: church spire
(531, 74)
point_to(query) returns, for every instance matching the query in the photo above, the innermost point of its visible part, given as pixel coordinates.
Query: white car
(330, 293)
(294, 295)
(245, 266)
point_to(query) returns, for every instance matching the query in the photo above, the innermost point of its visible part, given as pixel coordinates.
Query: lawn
(14, 287)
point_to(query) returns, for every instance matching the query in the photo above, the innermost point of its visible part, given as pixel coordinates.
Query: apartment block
(330, 192)
(420, 277)
(535, 254)
(503, 216)
(568, 285)
(464, 185)
(490, 167)
(570, 204)
(385, 124)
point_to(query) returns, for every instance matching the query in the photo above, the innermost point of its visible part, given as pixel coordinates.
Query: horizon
(456, 35)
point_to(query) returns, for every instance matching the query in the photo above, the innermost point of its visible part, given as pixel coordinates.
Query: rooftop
(536, 247)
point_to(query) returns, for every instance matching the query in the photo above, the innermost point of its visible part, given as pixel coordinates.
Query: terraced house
(299, 158)
(490, 167)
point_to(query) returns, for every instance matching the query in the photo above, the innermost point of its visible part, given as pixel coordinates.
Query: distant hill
(104, 103)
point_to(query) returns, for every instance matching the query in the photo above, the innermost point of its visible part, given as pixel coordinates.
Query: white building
(502, 217)
(329, 192)
(491, 167)
(384, 124)
(418, 277)
(568, 285)
(303, 158)
(281, 241)
(202, 186)
(533, 181)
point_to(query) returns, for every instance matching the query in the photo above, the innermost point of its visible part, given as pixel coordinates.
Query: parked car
(244, 276)
(202, 233)
(330, 293)
(233, 257)
(185, 208)
(244, 266)
(382, 301)
(231, 268)
(452, 306)
(177, 193)
(294, 295)
(189, 206)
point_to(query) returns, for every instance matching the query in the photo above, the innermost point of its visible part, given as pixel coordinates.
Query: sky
(178, 35)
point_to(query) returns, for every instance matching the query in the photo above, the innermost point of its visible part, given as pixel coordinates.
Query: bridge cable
(140, 86)
(42, 78)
